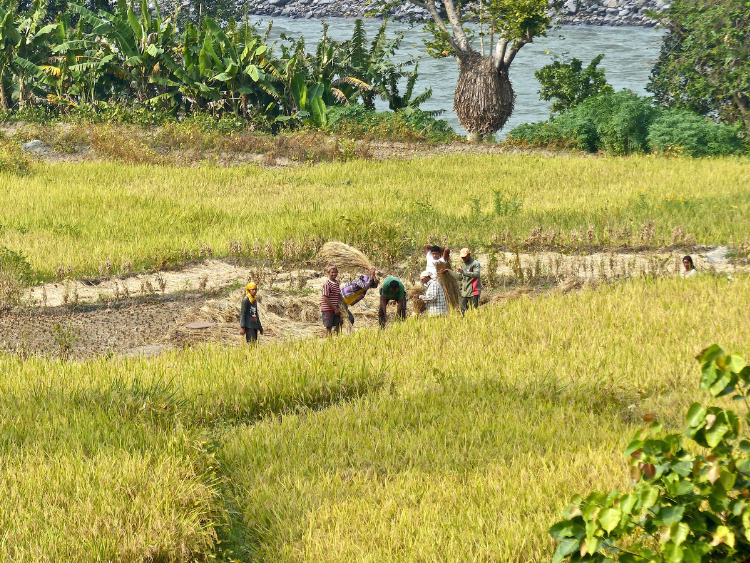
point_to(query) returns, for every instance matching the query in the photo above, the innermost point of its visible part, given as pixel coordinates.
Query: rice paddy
(439, 439)
(99, 218)
(447, 439)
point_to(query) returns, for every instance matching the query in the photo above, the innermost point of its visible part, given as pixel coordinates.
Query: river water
(629, 54)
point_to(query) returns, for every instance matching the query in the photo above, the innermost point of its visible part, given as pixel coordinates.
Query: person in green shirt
(392, 290)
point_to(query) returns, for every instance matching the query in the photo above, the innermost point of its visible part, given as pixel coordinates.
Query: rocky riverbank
(577, 12)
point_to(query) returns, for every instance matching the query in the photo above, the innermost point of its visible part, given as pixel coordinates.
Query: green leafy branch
(685, 506)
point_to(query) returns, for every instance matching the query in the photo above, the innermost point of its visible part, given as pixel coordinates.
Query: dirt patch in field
(149, 313)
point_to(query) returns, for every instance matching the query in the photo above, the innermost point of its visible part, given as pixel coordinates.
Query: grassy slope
(442, 440)
(85, 214)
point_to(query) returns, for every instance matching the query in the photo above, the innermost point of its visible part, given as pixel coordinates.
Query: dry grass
(188, 144)
(413, 295)
(450, 287)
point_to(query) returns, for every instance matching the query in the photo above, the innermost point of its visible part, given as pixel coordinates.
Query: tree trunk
(484, 96)
(3, 101)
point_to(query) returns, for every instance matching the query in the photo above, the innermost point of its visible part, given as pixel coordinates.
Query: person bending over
(392, 290)
(356, 290)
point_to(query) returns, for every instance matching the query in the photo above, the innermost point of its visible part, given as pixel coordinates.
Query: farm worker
(392, 290)
(356, 290)
(437, 306)
(471, 285)
(329, 304)
(689, 268)
(249, 320)
(434, 254)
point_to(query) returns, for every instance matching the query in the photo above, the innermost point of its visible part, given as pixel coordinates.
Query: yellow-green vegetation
(435, 440)
(84, 215)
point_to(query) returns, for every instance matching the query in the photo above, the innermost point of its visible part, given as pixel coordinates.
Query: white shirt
(689, 274)
(431, 263)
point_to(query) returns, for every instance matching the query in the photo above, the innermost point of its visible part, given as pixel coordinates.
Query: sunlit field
(434, 440)
(77, 218)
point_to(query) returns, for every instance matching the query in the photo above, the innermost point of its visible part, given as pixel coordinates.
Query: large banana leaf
(299, 92)
(319, 111)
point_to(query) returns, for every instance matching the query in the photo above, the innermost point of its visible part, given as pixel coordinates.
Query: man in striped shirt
(437, 306)
(329, 304)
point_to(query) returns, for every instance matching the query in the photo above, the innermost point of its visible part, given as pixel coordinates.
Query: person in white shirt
(689, 268)
(434, 255)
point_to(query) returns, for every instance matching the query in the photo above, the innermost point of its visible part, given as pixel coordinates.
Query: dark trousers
(467, 302)
(251, 334)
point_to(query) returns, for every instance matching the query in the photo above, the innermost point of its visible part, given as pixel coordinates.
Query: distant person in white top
(434, 255)
(689, 268)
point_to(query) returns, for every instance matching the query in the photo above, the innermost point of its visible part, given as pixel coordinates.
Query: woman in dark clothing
(249, 320)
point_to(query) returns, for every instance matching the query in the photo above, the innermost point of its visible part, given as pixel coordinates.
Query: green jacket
(470, 280)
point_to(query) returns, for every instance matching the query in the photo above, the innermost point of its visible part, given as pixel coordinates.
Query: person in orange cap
(471, 285)
(249, 320)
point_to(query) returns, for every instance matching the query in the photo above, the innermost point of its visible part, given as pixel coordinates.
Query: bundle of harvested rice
(413, 295)
(450, 288)
(569, 285)
(345, 257)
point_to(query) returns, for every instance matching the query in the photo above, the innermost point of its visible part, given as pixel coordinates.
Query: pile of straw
(450, 288)
(345, 257)
(413, 295)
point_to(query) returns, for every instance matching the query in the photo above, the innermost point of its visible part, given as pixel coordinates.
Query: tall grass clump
(13, 159)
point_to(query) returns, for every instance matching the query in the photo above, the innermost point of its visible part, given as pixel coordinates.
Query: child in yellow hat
(249, 320)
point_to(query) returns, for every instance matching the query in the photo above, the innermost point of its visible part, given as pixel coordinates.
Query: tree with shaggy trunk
(484, 95)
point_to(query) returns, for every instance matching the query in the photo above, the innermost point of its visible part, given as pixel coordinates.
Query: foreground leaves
(684, 507)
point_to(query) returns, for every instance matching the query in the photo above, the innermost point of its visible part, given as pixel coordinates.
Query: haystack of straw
(345, 257)
(484, 97)
(450, 288)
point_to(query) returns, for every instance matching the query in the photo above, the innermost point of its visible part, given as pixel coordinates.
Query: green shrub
(693, 135)
(13, 159)
(624, 123)
(690, 501)
(409, 125)
(15, 276)
(613, 122)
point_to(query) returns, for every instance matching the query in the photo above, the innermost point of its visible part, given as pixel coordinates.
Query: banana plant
(310, 105)
(10, 37)
(143, 45)
(28, 42)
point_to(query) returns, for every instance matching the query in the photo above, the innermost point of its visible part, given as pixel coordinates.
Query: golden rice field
(435, 440)
(80, 217)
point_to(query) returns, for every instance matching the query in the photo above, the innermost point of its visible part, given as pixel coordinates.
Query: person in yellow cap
(249, 320)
